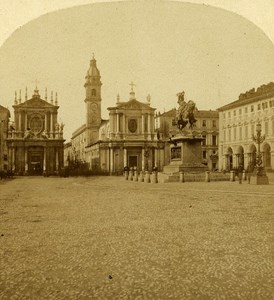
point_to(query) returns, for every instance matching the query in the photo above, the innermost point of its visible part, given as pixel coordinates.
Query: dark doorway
(132, 161)
(35, 165)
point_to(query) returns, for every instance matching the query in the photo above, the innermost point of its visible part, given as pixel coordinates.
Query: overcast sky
(164, 47)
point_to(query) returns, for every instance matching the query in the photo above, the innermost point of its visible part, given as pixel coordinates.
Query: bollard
(154, 178)
(232, 175)
(126, 175)
(135, 177)
(141, 177)
(207, 176)
(130, 175)
(182, 177)
(147, 177)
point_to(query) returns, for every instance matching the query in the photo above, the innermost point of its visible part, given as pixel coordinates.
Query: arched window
(93, 92)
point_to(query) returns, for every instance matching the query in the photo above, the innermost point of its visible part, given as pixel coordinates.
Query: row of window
(205, 122)
(245, 132)
(260, 106)
(214, 140)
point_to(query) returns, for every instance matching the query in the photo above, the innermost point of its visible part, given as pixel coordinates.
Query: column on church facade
(46, 122)
(51, 124)
(117, 123)
(13, 158)
(20, 120)
(143, 124)
(143, 159)
(26, 159)
(9, 158)
(111, 160)
(156, 157)
(45, 160)
(125, 157)
(26, 121)
(124, 124)
(149, 126)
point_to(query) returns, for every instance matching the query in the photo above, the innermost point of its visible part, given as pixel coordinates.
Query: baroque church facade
(35, 143)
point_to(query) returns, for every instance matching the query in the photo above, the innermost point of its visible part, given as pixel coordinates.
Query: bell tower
(93, 102)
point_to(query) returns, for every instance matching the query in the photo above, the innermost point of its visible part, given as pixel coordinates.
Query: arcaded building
(35, 139)
(238, 122)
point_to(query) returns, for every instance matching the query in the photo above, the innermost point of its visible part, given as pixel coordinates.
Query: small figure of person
(249, 170)
(240, 173)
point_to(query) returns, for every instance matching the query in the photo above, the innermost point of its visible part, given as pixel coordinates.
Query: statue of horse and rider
(185, 113)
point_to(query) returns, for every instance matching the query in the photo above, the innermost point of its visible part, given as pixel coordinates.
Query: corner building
(238, 121)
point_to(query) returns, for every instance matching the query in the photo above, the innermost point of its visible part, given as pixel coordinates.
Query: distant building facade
(35, 139)
(4, 123)
(238, 121)
(207, 126)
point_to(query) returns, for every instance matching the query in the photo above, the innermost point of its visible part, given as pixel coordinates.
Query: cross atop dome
(132, 93)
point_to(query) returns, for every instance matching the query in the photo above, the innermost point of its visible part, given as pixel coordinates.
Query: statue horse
(186, 115)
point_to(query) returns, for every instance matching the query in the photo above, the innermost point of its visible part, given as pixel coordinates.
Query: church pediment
(35, 102)
(134, 104)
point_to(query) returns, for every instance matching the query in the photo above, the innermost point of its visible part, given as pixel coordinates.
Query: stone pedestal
(186, 157)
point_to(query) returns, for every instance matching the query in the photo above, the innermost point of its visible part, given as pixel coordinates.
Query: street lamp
(261, 177)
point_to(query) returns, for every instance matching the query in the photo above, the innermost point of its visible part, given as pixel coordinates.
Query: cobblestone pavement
(108, 238)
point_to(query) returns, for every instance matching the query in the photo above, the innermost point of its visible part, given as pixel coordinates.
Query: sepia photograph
(136, 149)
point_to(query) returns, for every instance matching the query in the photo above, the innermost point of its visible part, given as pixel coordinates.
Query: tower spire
(46, 94)
(26, 94)
(56, 101)
(51, 97)
(19, 96)
(15, 98)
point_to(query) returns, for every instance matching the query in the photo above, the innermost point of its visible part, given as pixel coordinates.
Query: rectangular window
(252, 108)
(229, 135)
(204, 140)
(204, 123)
(224, 135)
(204, 154)
(246, 132)
(213, 123)
(214, 140)
(252, 129)
(240, 133)
(266, 128)
(240, 111)
(234, 134)
(224, 115)
(229, 114)
(234, 112)
(259, 106)
(246, 110)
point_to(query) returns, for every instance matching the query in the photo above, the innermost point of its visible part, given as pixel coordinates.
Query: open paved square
(108, 238)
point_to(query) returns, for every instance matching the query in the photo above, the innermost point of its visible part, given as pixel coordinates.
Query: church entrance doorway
(133, 161)
(35, 162)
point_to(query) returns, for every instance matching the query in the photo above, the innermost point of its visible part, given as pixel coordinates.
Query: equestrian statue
(185, 113)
